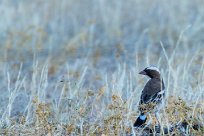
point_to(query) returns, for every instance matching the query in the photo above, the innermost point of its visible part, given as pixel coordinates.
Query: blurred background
(105, 32)
(80, 28)
(91, 42)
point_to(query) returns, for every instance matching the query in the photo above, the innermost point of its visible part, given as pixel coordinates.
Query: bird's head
(152, 72)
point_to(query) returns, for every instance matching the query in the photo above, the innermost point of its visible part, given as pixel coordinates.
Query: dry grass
(177, 116)
(70, 67)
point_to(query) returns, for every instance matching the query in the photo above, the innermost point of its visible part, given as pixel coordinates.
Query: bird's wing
(151, 91)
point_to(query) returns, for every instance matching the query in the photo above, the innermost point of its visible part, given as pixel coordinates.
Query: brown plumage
(151, 90)
(152, 94)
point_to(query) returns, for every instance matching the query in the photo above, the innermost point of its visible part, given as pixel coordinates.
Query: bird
(152, 96)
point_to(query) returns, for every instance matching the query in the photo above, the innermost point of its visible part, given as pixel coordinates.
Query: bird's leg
(149, 120)
(158, 125)
(157, 117)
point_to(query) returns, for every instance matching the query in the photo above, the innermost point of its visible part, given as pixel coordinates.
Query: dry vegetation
(70, 67)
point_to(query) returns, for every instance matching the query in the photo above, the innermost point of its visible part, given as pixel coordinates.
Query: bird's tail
(140, 120)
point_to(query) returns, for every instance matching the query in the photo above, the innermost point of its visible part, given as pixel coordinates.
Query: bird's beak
(143, 73)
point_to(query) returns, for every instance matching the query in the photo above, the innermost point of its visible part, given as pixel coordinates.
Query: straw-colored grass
(71, 67)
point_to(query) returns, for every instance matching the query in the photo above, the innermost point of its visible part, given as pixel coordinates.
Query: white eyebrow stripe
(153, 68)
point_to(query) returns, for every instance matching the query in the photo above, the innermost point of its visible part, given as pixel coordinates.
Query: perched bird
(152, 95)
